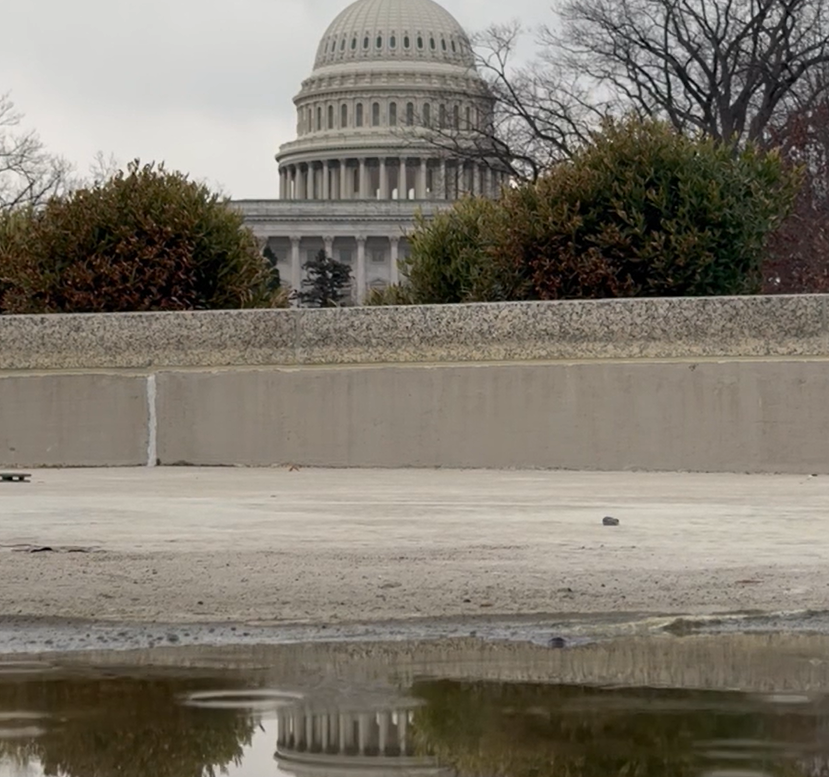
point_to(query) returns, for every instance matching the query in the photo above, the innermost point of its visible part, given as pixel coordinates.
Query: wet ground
(720, 705)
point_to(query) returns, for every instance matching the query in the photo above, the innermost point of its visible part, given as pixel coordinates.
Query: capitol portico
(388, 76)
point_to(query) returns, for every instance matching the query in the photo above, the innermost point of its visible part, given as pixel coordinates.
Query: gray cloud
(205, 86)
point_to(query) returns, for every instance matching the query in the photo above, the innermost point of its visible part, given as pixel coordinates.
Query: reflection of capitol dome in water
(318, 740)
(386, 73)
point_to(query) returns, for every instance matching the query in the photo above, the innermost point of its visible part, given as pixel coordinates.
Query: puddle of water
(312, 714)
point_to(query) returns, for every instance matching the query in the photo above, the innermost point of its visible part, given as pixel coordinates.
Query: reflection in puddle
(85, 722)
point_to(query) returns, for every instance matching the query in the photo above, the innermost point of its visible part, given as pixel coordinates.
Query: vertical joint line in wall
(152, 422)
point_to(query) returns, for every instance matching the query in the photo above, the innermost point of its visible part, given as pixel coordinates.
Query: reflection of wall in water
(317, 741)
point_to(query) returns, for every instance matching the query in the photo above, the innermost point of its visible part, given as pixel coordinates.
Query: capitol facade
(389, 77)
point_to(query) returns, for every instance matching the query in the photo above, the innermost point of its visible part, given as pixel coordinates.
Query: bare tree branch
(29, 175)
(523, 119)
(726, 68)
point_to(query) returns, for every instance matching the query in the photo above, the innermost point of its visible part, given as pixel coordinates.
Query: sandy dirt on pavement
(324, 546)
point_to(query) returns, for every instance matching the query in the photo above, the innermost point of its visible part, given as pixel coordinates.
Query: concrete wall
(705, 385)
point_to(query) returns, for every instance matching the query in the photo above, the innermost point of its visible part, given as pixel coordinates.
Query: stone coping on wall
(521, 331)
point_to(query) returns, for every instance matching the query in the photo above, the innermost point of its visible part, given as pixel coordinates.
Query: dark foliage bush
(146, 239)
(640, 211)
(646, 211)
(454, 257)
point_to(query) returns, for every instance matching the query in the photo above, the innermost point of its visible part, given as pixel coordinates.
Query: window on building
(379, 42)
(365, 42)
(419, 42)
(406, 42)
(342, 45)
(432, 43)
(468, 117)
(343, 116)
(443, 43)
(375, 115)
(378, 256)
(330, 117)
(410, 114)
(311, 254)
(392, 114)
(392, 42)
(427, 115)
(454, 47)
(358, 119)
(345, 255)
(442, 116)
(456, 117)
(353, 43)
(319, 118)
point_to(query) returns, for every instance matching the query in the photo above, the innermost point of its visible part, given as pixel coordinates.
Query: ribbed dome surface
(383, 30)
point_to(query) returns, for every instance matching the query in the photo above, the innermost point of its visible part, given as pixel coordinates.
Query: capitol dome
(380, 31)
(389, 76)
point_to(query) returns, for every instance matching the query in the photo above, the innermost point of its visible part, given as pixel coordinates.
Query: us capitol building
(389, 76)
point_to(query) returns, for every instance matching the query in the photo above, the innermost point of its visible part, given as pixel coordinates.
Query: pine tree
(326, 284)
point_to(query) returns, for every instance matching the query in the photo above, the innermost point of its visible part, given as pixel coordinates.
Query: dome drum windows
(343, 116)
(392, 114)
(410, 114)
(379, 42)
(365, 43)
(427, 115)
(392, 42)
(406, 42)
(420, 42)
(375, 115)
(330, 117)
(358, 116)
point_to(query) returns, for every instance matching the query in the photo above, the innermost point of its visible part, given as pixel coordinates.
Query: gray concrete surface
(272, 546)
(737, 416)
(517, 331)
(80, 420)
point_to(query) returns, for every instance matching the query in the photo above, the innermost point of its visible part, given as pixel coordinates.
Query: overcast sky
(205, 86)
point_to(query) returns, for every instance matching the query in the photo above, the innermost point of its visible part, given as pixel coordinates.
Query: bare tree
(726, 68)
(29, 175)
(524, 118)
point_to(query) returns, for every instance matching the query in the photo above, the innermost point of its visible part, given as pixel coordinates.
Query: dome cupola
(374, 31)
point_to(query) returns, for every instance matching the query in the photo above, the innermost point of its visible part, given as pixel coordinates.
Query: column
(402, 730)
(309, 732)
(323, 724)
(341, 732)
(363, 180)
(362, 732)
(420, 191)
(384, 181)
(329, 246)
(394, 276)
(325, 175)
(296, 267)
(402, 183)
(345, 189)
(443, 182)
(383, 724)
(300, 183)
(361, 270)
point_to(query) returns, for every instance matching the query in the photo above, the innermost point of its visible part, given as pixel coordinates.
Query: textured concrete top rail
(602, 329)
